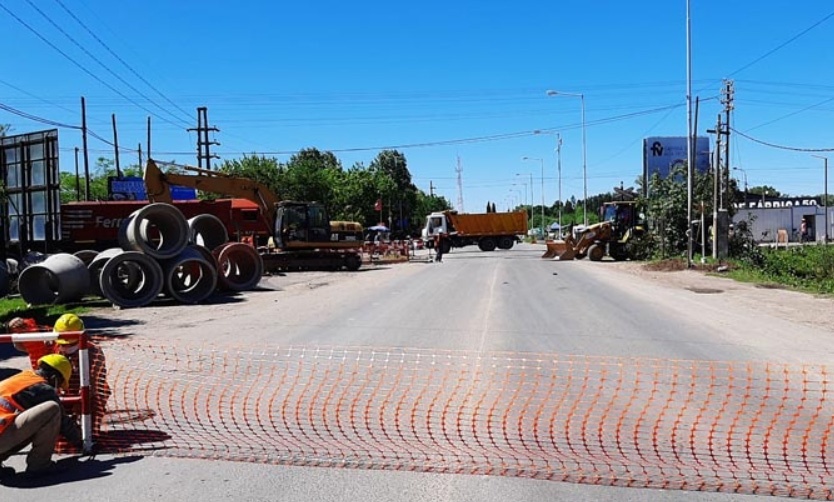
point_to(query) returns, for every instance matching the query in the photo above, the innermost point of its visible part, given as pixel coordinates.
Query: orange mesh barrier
(762, 428)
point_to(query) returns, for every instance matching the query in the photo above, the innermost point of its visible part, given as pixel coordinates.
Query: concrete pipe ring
(159, 230)
(131, 279)
(86, 255)
(61, 278)
(95, 266)
(239, 266)
(124, 243)
(190, 277)
(207, 230)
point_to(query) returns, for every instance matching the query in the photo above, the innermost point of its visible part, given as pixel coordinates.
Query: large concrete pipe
(239, 266)
(207, 230)
(61, 278)
(95, 266)
(190, 277)
(159, 230)
(130, 279)
(86, 255)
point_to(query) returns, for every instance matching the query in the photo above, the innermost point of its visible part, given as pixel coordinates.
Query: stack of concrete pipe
(160, 253)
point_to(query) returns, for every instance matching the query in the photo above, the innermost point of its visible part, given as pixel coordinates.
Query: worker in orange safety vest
(31, 413)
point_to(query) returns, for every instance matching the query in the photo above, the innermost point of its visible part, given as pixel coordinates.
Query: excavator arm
(158, 186)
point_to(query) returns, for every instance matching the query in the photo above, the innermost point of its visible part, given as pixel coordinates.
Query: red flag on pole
(378, 205)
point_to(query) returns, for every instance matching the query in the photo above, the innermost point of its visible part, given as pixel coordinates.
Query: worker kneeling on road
(31, 413)
(69, 349)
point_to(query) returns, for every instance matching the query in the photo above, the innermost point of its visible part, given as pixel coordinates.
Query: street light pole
(559, 171)
(541, 161)
(584, 150)
(825, 202)
(525, 190)
(689, 152)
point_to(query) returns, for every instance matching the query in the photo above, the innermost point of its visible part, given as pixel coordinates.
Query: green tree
(666, 209)
(265, 170)
(399, 193)
(311, 175)
(767, 190)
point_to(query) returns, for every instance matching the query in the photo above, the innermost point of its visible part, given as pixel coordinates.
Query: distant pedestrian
(439, 242)
(803, 230)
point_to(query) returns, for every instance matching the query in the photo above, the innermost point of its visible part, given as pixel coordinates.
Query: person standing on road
(438, 246)
(31, 413)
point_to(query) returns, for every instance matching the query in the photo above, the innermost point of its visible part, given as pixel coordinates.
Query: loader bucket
(555, 248)
(568, 254)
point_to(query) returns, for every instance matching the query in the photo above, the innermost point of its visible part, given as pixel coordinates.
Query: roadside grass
(11, 307)
(808, 269)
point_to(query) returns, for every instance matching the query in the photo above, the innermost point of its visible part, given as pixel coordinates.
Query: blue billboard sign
(662, 155)
(133, 188)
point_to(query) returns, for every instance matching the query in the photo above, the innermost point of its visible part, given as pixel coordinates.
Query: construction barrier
(750, 428)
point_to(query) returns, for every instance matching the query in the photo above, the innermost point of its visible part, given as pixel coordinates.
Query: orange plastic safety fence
(761, 428)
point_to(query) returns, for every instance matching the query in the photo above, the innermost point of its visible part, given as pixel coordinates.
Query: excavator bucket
(562, 249)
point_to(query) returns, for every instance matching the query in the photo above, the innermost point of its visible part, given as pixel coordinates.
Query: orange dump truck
(487, 230)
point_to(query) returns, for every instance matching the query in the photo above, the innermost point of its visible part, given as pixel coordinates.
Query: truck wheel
(619, 252)
(505, 243)
(353, 262)
(487, 244)
(596, 252)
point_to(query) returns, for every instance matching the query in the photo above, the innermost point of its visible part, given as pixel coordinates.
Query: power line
(79, 65)
(36, 118)
(781, 147)
(101, 42)
(97, 60)
(783, 44)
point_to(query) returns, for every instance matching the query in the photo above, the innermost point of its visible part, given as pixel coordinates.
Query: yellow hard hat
(60, 364)
(68, 322)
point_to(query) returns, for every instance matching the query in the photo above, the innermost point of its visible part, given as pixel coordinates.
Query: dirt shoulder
(804, 308)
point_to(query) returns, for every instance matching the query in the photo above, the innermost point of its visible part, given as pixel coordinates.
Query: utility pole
(203, 141)
(431, 189)
(77, 179)
(116, 147)
(148, 144)
(716, 173)
(84, 146)
(727, 101)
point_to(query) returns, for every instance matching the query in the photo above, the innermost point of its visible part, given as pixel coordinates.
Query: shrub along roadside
(807, 268)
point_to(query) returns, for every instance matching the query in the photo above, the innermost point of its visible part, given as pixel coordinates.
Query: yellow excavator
(303, 237)
(621, 224)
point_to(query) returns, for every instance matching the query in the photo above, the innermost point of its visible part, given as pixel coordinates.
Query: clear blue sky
(356, 76)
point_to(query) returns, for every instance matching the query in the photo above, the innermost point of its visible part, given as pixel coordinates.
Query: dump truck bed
(490, 223)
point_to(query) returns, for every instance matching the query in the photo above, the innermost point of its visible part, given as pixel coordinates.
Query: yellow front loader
(612, 236)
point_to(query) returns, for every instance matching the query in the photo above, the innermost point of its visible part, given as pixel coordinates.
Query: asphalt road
(483, 302)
